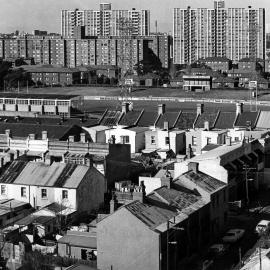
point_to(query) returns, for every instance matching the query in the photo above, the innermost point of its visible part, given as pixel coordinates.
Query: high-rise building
(106, 22)
(234, 33)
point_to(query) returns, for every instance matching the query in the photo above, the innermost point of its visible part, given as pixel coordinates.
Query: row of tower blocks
(122, 37)
(124, 52)
(235, 33)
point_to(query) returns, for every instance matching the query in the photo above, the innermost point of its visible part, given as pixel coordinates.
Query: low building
(133, 136)
(52, 75)
(78, 187)
(224, 82)
(79, 245)
(197, 83)
(222, 64)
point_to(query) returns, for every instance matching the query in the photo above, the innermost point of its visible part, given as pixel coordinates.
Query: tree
(4, 70)
(15, 76)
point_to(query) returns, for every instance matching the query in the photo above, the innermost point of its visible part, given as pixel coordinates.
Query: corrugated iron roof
(206, 182)
(111, 118)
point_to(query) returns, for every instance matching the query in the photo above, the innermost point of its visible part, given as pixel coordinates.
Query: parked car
(233, 235)
(218, 249)
(262, 227)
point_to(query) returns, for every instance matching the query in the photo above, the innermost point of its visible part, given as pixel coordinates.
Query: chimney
(32, 136)
(239, 108)
(193, 166)
(11, 157)
(83, 137)
(130, 106)
(44, 135)
(228, 141)
(161, 109)
(17, 154)
(7, 132)
(166, 125)
(189, 152)
(112, 140)
(89, 162)
(167, 180)
(71, 138)
(113, 204)
(206, 125)
(139, 193)
(200, 109)
(125, 107)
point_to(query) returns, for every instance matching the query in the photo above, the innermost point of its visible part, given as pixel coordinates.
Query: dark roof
(246, 119)
(210, 147)
(30, 219)
(111, 118)
(250, 59)
(216, 59)
(81, 267)
(36, 96)
(131, 118)
(224, 80)
(148, 119)
(48, 68)
(152, 216)
(170, 117)
(186, 120)
(204, 181)
(206, 116)
(22, 130)
(225, 120)
(12, 172)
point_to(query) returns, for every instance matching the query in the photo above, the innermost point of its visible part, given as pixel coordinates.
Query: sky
(27, 15)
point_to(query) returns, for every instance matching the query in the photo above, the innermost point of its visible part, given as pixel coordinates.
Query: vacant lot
(156, 92)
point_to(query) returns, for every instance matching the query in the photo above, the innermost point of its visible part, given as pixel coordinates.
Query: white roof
(264, 222)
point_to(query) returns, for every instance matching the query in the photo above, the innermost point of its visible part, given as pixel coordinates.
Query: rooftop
(40, 174)
(206, 117)
(204, 181)
(225, 120)
(130, 118)
(111, 118)
(246, 119)
(148, 119)
(186, 120)
(37, 96)
(170, 117)
(263, 120)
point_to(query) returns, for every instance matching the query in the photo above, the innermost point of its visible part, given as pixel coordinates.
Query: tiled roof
(41, 174)
(148, 119)
(111, 118)
(206, 116)
(22, 130)
(131, 118)
(264, 120)
(12, 172)
(246, 118)
(225, 120)
(170, 117)
(204, 181)
(186, 120)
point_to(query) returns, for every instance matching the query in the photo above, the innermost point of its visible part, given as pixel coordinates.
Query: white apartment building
(234, 33)
(106, 22)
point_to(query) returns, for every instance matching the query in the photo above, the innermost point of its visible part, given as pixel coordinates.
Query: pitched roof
(186, 120)
(36, 96)
(216, 59)
(170, 117)
(225, 120)
(206, 182)
(111, 118)
(22, 130)
(131, 118)
(148, 119)
(246, 118)
(40, 174)
(79, 239)
(210, 147)
(263, 120)
(206, 116)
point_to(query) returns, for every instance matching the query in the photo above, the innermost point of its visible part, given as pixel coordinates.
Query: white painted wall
(151, 183)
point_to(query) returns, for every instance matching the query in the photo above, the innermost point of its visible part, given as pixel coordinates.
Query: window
(208, 140)
(124, 139)
(68, 249)
(23, 191)
(43, 193)
(236, 139)
(64, 194)
(153, 140)
(194, 140)
(167, 140)
(3, 190)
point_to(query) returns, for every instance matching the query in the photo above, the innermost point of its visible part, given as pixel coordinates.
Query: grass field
(155, 92)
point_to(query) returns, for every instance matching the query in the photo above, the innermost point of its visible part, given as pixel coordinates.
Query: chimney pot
(71, 138)
(200, 109)
(83, 137)
(161, 109)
